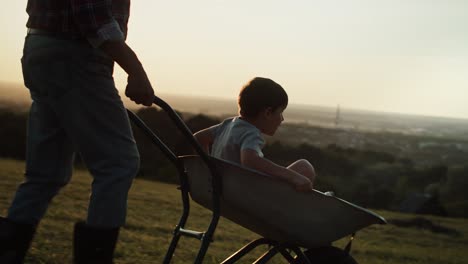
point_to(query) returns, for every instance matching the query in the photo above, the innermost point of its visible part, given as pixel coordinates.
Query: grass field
(154, 209)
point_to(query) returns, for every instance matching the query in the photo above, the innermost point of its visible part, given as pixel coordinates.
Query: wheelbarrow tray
(273, 208)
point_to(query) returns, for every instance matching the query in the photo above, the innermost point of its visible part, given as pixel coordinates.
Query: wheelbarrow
(300, 226)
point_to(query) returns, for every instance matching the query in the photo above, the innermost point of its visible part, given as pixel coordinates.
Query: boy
(261, 104)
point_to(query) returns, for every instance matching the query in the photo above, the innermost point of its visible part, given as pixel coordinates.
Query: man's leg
(49, 159)
(49, 153)
(96, 120)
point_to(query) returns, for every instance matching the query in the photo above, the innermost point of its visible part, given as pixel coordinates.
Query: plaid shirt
(96, 20)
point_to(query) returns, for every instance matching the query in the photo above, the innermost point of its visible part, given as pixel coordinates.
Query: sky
(403, 56)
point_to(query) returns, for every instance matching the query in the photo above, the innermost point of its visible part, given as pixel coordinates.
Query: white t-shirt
(233, 135)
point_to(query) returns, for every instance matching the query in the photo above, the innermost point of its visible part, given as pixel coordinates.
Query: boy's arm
(251, 159)
(205, 137)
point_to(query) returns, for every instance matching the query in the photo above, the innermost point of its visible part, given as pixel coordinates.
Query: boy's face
(272, 119)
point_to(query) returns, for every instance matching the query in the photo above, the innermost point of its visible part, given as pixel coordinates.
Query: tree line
(369, 178)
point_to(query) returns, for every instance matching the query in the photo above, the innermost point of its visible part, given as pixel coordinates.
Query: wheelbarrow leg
(207, 238)
(268, 255)
(182, 221)
(171, 249)
(301, 256)
(246, 249)
(287, 255)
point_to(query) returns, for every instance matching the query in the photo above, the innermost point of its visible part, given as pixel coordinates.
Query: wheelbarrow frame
(206, 237)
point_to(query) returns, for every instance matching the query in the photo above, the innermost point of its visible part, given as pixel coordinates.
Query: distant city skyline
(381, 55)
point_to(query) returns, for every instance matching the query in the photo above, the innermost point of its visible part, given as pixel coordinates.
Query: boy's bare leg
(304, 167)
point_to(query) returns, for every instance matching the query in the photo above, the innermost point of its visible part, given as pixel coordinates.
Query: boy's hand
(302, 183)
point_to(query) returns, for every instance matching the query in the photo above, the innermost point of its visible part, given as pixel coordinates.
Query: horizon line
(342, 107)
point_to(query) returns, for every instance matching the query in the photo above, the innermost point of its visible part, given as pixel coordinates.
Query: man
(68, 59)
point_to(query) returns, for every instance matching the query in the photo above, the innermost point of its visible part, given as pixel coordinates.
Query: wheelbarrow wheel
(327, 255)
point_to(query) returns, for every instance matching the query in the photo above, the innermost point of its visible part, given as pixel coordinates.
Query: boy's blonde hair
(259, 94)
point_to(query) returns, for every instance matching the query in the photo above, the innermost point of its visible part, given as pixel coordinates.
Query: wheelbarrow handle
(189, 136)
(181, 126)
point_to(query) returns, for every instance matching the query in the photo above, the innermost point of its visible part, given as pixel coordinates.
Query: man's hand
(139, 89)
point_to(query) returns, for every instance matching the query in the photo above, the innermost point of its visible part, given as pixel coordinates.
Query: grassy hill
(154, 208)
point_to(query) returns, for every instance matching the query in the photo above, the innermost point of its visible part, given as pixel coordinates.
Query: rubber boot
(15, 240)
(93, 245)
